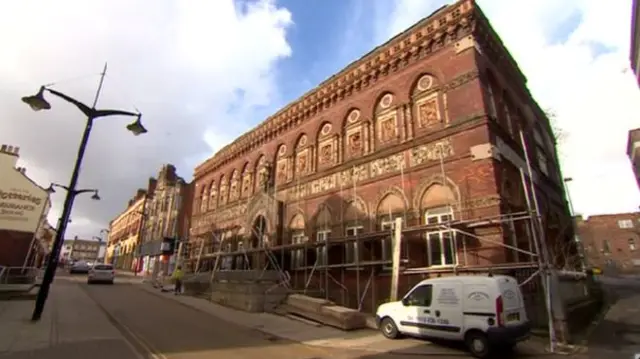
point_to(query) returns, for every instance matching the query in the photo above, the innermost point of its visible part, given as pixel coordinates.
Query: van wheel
(388, 328)
(478, 344)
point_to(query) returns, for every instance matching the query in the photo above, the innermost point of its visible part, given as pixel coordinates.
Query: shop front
(157, 257)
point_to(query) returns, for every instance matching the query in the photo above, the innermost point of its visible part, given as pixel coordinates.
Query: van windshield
(102, 267)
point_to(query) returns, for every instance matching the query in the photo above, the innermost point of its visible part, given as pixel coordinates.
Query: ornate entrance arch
(259, 231)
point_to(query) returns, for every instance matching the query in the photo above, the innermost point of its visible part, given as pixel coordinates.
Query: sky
(203, 72)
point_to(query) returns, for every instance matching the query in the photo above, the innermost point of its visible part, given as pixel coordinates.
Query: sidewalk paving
(322, 336)
(618, 334)
(72, 326)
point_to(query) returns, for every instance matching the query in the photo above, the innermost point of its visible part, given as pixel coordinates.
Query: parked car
(486, 312)
(101, 273)
(80, 267)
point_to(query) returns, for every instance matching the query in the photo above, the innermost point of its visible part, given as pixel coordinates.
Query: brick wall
(14, 247)
(607, 245)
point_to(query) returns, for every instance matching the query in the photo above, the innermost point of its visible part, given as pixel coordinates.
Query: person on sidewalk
(177, 276)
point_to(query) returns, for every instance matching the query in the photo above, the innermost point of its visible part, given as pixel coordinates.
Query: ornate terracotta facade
(426, 128)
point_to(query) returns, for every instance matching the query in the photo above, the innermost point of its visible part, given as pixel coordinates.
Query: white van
(485, 312)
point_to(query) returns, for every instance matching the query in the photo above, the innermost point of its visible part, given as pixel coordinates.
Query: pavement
(71, 327)
(133, 320)
(617, 335)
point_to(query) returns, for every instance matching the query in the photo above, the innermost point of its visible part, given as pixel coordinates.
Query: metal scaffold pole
(555, 308)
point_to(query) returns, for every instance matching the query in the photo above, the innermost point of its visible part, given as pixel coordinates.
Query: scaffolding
(368, 258)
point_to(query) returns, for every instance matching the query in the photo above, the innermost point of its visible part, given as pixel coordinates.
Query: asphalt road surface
(161, 328)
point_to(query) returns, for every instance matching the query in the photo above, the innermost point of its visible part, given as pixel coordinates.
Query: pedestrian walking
(177, 276)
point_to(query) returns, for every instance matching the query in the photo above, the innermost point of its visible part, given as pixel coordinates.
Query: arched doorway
(257, 238)
(259, 231)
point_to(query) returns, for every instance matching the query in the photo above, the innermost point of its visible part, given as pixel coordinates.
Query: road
(166, 329)
(161, 328)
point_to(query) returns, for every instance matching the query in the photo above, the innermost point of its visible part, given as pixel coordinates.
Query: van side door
(446, 309)
(417, 311)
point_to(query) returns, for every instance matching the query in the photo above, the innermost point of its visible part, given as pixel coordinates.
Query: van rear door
(512, 301)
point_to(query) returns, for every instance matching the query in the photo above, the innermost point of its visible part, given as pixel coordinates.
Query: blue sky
(203, 72)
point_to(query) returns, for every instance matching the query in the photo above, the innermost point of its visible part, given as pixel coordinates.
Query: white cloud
(191, 67)
(596, 102)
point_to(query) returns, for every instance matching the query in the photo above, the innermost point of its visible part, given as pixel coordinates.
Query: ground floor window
(441, 248)
(227, 261)
(388, 224)
(322, 236)
(351, 248)
(297, 255)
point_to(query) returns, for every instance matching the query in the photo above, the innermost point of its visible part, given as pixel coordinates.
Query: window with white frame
(625, 223)
(387, 225)
(297, 255)
(632, 244)
(441, 249)
(322, 236)
(351, 248)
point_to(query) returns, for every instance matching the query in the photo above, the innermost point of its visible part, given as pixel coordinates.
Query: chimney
(141, 193)
(8, 156)
(151, 187)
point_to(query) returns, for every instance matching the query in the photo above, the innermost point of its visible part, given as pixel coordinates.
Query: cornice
(426, 37)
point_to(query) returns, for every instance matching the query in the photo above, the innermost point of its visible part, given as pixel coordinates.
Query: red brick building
(425, 128)
(611, 241)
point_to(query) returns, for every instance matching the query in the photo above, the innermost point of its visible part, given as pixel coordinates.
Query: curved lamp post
(37, 102)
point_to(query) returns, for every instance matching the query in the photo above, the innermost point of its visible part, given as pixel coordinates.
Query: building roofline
(310, 97)
(127, 210)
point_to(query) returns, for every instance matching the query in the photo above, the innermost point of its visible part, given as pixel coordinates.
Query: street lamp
(95, 196)
(37, 102)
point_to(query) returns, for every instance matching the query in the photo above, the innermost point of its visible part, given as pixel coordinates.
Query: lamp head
(50, 190)
(136, 127)
(37, 102)
(95, 196)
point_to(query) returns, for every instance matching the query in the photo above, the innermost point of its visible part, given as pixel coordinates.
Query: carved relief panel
(265, 174)
(355, 139)
(257, 181)
(213, 196)
(386, 121)
(203, 200)
(427, 112)
(246, 183)
(303, 162)
(282, 166)
(327, 147)
(234, 191)
(224, 191)
(302, 157)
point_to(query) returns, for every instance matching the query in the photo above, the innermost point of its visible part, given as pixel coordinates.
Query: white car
(101, 273)
(485, 312)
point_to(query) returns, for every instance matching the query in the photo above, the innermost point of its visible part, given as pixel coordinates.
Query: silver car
(101, 273)
(80, 267)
